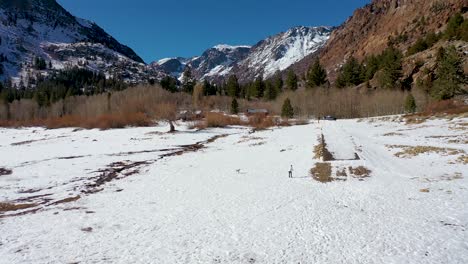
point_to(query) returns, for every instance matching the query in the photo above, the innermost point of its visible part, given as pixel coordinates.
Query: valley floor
(139, 195)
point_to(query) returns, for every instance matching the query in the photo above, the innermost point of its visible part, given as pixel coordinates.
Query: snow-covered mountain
(32, 29)
(216, 61)
(264, 59)
(278, 52)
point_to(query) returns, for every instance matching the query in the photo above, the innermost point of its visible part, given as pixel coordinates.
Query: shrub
(446, 106)
(260, 122)
(410, 104)
(234, 106)
(287, 110)
(221, 120)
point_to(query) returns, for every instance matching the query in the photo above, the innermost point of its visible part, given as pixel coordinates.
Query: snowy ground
(228, 199)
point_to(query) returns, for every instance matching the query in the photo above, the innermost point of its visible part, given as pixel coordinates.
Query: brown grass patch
(67, 200)
(321, 151)
(455, 176)
(247, 139)
(342, 173)
(450, 107)
(322, 172)
(445, 109)
(426, 190)
(412, 151)
(463, 159)
(4, 171)
(221, 120)
(392, 134)
(6, 207)
(105, 121)
(360, 172)
(261, 122)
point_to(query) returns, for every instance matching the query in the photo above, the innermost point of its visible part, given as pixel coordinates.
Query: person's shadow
(301, 177)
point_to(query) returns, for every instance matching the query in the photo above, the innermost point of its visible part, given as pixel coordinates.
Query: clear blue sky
(157, 29)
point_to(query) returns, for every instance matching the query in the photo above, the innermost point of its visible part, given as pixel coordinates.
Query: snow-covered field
(139, 195)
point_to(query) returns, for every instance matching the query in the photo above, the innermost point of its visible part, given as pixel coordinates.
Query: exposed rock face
(370, 28)
(218, 61)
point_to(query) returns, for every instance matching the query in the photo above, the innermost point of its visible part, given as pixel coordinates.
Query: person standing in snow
(290, 171)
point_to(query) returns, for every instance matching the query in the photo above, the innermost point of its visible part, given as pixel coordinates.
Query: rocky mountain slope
(264, 59)
(214, 62)
(278, 52)
(372, 27)
(42, 29)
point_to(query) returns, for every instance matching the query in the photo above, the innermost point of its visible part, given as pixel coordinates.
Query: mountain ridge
(265, 58)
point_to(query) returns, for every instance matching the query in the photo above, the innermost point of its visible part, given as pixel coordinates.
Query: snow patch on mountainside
(225, 47)
(279, 52)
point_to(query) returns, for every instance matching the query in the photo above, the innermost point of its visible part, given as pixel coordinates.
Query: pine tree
(410, 104)
(232, 86)
(287, 110)
(208, 88)
(271, 90)
(317, 75)
(351, 74)
(391, 68)
(170, 84)
(258, 87)
(291, 81)
(453, 27)
(449, 74)
(234, 106)
(278, 83)
(371, 66)
(188, 82)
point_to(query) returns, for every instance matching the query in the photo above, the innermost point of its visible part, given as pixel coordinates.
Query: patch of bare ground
(322, 172)
(33, 141)
(426, 190)
(67, 200)
(459, 127)
(359, 172)
(413, 151)
(4, 171)
(114, 171)
(321, 152)
(415, 120)
(458, 141)
(87, 229)
(445, 177)
(391, 134)
(248, 138)
(257, 144)
(463, 159)
(341, 173)
(6, 207)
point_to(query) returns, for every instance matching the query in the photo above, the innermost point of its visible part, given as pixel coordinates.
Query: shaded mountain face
(218, 61)
(264, 59)
(369, 30)
(32, 29)
(213, 63)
